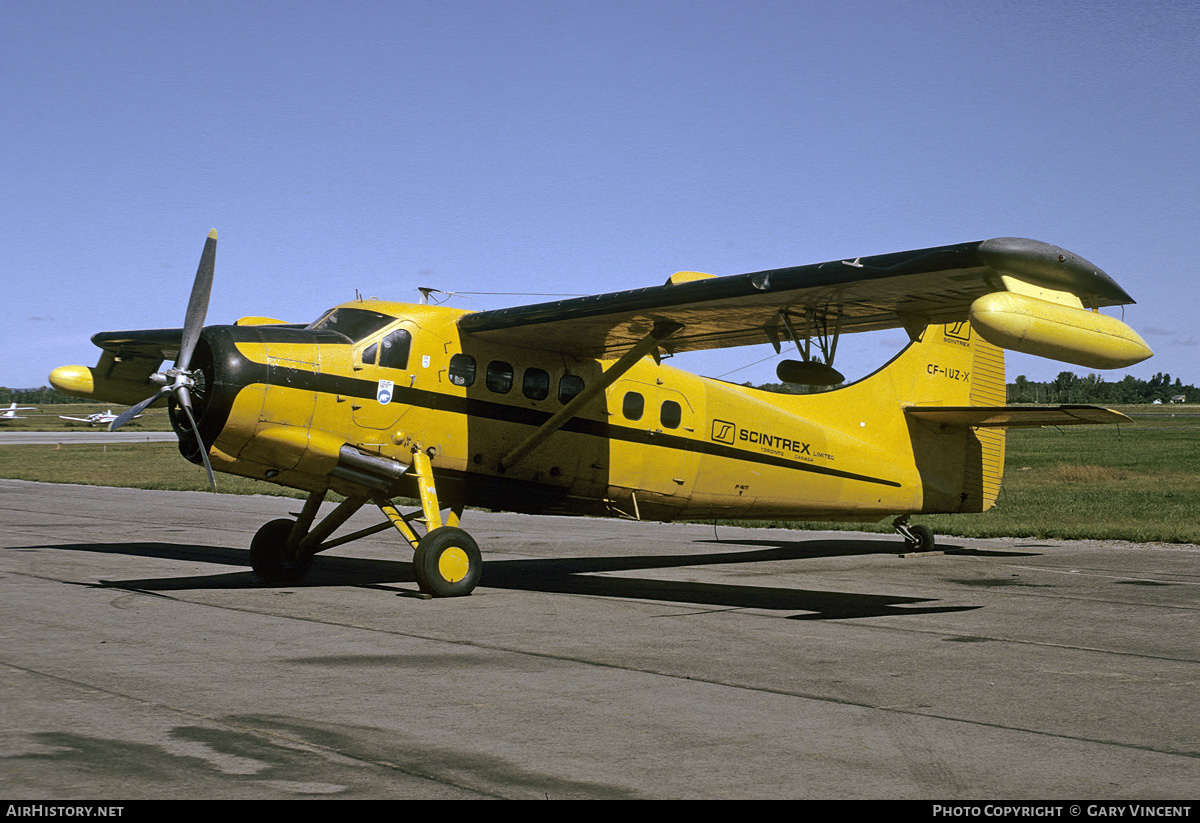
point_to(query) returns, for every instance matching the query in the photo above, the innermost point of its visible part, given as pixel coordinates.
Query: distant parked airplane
(97, 419)
(11, 412)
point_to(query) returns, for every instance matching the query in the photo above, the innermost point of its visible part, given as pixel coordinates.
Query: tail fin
(961, 465)
(944, 397)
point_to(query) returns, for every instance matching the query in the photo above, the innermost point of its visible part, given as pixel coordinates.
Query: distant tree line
(1066, 388)
(1070, 388)
(43, 395)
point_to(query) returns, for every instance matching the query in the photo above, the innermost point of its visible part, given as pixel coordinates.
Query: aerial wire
(748, 365)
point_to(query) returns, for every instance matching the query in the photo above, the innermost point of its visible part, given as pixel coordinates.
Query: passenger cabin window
(633, 406)
(393, 350)
(499, 377)
(671, 414)
(462, 370)
(568, 387)
(536, 384)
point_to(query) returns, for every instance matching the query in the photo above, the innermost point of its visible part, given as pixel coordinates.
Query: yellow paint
(687, 277)
(730, 451)
(397, 520)
(1059, 332)
(94, 384)
(427, 490)
(258, 321)
(290, 447)
(453, 564)
(530, 425)
(1024, 287)
(75, 380)
(689, 447)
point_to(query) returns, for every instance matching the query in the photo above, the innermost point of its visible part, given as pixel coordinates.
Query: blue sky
(578, 147)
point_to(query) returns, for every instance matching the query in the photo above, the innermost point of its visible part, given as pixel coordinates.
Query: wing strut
(648, 344)
(815, 325)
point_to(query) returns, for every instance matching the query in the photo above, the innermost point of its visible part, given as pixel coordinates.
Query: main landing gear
(918, 538)
(446, 560)
(271, 558)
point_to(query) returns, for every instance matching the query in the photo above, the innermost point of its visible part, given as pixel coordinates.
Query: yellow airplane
(566, 407)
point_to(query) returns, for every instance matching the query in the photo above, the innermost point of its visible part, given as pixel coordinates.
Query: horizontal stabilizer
(1015, 417)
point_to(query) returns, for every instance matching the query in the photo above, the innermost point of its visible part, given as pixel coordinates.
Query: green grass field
(1139, 481)
(47, 418)
(134, 465)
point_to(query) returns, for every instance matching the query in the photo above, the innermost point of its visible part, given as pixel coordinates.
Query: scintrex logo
(723, 431)
(959, 331)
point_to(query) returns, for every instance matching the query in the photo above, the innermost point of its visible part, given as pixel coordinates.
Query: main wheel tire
(267, 551)
(923, 540)
(447, 563)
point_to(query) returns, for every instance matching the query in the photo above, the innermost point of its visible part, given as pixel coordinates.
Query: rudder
(961, 467)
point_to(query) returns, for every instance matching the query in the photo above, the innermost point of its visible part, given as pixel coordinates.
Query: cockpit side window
(393, 349)
(355, 324)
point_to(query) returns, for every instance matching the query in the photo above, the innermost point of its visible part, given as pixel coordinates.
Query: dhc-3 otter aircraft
(566, 407)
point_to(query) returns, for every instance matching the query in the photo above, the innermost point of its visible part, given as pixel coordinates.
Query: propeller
(179, 380)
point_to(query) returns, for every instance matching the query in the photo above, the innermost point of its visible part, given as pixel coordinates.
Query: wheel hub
(453, 564)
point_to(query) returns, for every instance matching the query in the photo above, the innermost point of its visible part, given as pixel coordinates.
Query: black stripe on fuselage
(476, 407)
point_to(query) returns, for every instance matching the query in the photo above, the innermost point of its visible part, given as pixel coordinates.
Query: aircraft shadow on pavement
(843, 548)
(565, 575)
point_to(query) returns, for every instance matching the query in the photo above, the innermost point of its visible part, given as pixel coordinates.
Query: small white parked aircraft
(97, 419)
(11, 412)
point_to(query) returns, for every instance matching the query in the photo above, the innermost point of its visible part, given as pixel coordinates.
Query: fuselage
(659, 443)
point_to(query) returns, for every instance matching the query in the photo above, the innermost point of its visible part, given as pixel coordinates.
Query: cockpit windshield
(354, 323)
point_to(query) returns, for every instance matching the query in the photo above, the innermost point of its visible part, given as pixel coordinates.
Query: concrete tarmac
(598, 659)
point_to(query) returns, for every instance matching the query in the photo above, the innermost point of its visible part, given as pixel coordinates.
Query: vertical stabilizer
(960, 466)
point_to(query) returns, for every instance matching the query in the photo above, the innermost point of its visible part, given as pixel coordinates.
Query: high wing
(900, 290)
(127, 354)
(128, 360)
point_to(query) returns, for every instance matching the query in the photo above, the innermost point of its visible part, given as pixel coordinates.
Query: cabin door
(650, 447)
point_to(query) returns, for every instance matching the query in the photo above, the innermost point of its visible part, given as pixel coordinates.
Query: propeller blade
(193, 322)
(185, 400)
(133, 411)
